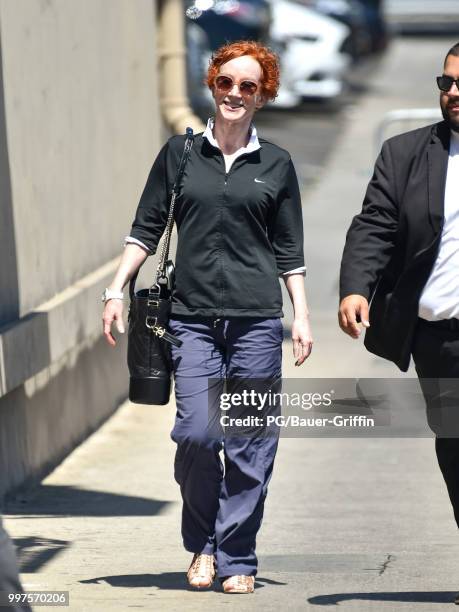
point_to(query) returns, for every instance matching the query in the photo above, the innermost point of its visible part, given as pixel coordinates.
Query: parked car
(313, 53)
(423, 16)
(376, 24)
(364, 18)
(351, 13)
(229, 20)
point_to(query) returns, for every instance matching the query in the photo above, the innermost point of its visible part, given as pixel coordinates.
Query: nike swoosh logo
(258, 181)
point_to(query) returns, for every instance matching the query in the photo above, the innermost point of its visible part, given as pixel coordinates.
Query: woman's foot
(201, 572)
(239, 584)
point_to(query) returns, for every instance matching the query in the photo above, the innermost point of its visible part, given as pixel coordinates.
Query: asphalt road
(309, 132)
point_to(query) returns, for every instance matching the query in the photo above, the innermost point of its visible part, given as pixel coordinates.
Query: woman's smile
(233, 106)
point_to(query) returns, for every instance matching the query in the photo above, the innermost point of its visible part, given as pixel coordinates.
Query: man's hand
(352, 309)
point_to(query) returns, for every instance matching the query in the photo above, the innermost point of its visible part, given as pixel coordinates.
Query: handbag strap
(161, 269)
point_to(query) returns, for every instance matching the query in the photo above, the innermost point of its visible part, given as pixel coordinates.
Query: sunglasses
(224, 84)
(445, 82)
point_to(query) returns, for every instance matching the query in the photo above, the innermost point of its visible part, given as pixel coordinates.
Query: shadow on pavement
(335, 599)
(53, 500)
(167, 580)
(34, 552)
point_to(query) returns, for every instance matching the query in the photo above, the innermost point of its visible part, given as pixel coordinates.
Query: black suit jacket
(392, 244)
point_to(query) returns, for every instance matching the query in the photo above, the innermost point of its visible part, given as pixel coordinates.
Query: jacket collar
(437, 164)
(253, 144)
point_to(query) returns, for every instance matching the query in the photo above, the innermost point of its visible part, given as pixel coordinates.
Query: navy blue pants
(222, 504)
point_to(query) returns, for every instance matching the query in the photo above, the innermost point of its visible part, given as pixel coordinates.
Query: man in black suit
(402, 256)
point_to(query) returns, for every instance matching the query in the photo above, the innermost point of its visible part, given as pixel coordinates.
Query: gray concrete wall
(43, 420)
(79, 128)
(80, 99)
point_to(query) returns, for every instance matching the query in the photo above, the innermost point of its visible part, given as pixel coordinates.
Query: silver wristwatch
(109, 294)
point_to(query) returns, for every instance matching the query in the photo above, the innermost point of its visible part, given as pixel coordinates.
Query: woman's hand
(131, 260)
(302, 340)
(113, 311)
(301, 329)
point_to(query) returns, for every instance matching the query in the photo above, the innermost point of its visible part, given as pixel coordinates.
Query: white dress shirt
(252, 145)
(440, 296)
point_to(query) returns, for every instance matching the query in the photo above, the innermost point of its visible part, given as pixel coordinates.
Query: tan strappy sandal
(201, 572)
(239, 584)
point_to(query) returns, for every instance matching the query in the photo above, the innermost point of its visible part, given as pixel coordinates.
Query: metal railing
(407, 118)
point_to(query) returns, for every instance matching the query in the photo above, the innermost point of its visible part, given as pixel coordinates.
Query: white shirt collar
(253, 144)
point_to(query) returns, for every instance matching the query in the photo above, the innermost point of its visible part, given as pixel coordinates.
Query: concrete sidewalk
(342, 525)
(360, 523)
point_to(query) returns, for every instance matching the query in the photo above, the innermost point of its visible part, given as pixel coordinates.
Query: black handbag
(149, 343)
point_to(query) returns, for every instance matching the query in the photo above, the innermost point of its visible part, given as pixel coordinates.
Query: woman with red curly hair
(239, 226)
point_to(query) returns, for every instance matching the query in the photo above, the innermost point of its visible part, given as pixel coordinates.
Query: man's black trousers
(436, 357)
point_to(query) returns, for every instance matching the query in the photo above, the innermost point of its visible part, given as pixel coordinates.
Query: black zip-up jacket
(237, 231)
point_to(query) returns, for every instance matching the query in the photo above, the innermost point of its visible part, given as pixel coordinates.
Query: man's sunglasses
(445, 82)
(224, 84)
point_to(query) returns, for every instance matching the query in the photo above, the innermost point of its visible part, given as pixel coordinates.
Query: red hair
(267, 59)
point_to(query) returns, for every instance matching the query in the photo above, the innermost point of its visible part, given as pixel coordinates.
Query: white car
(311, 46)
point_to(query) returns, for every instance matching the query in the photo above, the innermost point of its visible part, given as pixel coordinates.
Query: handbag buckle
(153, 295)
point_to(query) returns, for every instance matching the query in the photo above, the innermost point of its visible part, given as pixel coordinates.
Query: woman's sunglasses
(225, 84)
(445, 82)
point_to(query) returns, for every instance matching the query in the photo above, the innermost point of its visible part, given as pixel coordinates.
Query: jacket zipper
(220, 310)
(222, 268)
